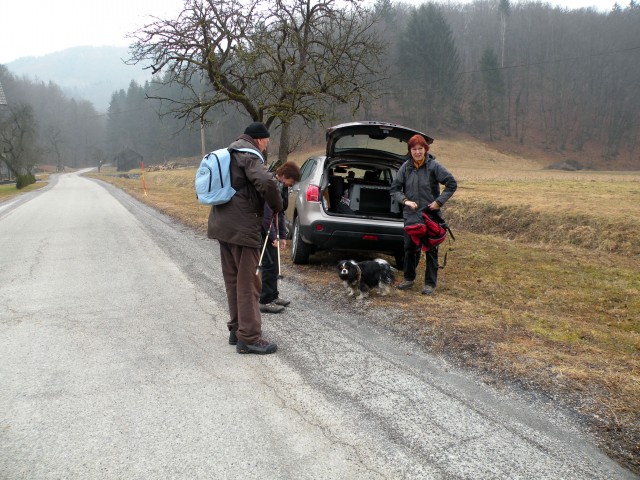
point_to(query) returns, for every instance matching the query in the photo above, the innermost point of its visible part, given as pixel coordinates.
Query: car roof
(374, 130)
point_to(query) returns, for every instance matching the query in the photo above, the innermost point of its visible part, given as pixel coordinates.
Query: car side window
(307, 169)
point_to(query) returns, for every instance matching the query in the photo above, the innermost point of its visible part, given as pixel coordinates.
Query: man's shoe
(260, 347)
(428, 290)
(406, 285)
(233, 340)
(271, 308)
(281, 301)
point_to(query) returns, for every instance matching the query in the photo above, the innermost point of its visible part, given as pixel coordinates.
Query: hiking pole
(278, 245)
(264, 247)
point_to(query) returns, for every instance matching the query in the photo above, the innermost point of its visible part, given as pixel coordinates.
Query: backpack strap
(450, 240)
(443, 223)
(248, 150)
(242, 182)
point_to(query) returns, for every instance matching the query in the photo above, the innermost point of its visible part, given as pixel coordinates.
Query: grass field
(542, 287)
(9, 190)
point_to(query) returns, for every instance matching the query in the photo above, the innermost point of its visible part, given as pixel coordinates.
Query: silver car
(342, 201)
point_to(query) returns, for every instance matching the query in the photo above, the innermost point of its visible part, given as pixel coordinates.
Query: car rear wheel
(300, 251)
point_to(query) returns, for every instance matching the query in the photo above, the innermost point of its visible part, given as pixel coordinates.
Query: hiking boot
(271, 308)
(406, 285)
(281, 301)
(260, 347)
(428, 290)
(233, 340)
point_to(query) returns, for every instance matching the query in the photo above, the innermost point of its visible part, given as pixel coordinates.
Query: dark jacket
(422, 185)
(268, 214)
(239, 220)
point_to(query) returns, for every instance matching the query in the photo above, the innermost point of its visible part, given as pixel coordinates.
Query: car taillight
(370, 237)
(313, 193)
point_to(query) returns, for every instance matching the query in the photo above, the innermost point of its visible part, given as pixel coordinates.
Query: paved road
(115, 364)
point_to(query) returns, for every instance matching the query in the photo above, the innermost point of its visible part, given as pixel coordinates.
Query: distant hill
(88, 73)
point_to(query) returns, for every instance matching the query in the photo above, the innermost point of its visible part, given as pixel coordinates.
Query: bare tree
(276, 60)
(53, 137)
(17, 140)
(505, 11)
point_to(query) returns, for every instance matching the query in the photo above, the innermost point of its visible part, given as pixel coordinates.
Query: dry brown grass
(542, 287)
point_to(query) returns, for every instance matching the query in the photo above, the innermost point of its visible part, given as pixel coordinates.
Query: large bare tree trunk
(283, 148)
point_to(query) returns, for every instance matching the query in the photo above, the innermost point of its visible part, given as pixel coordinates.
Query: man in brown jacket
(237, 227)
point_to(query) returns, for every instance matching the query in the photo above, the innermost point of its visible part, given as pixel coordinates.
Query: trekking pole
(264, 247)
(278, 245)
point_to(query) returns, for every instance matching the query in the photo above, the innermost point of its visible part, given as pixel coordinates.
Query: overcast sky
(38, 27)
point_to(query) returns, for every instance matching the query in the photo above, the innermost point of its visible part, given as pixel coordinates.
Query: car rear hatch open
(375, 150)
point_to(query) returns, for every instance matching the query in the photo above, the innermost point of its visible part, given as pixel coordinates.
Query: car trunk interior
(361, 191)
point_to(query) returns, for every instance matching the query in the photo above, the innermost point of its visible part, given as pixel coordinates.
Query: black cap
(257, 130)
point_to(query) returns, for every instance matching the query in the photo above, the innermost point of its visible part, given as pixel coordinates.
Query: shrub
(25, 180)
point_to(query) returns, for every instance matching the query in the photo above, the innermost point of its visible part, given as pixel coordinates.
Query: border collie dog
(361, 277)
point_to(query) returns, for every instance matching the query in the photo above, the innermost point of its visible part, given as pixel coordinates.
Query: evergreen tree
(116, 139)
(428, 65)
(493, 89)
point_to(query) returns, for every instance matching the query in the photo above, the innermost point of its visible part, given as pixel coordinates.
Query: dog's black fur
(363, 276)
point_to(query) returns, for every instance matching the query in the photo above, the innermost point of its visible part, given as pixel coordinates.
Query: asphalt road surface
(115, 365)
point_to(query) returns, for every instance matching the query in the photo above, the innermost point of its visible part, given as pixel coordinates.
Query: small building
(127, 160)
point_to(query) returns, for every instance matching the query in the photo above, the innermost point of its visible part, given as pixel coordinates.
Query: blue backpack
(213, 177)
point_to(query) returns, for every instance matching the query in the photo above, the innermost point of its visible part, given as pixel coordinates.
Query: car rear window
(366, 142)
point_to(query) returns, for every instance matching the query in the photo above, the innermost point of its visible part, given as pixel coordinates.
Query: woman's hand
(433, 206)
(410, 204)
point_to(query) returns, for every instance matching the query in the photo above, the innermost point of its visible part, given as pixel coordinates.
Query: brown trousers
(243, 290)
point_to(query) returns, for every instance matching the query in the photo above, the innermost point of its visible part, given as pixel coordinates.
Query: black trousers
(412, 254)
(269, 274)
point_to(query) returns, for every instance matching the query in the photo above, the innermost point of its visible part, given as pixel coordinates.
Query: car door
(306, 171)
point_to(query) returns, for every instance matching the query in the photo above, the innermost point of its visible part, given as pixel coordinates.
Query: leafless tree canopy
(17, 134)
(277, 60)
(519, 72)
(41, 125)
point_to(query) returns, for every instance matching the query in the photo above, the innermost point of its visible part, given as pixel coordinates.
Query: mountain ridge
(83, 72)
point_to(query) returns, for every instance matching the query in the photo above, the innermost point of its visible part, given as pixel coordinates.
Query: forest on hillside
(528, 73)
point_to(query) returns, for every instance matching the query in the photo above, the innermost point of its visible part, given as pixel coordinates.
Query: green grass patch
(9, 190)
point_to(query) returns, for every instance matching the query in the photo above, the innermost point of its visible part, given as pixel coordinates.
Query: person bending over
(287, 175)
